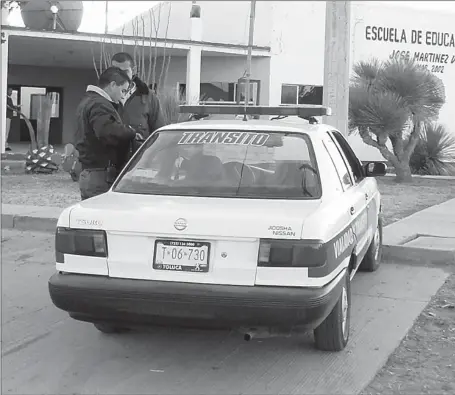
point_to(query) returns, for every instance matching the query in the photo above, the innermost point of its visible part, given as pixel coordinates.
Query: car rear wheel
(107, 328)
(373, 257)
(333, 333)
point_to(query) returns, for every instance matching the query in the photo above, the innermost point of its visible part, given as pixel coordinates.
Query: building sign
(388, 32)
(435, 61)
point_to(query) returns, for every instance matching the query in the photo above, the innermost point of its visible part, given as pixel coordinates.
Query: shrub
(435, 152)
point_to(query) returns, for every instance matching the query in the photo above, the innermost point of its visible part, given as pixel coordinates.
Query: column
(337, 63)
(193, 65)
(3, 87)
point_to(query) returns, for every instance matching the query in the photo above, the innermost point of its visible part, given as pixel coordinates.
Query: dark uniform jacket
(100, 132)
(142, 112)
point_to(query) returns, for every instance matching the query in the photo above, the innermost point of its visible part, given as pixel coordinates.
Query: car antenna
(248, 62)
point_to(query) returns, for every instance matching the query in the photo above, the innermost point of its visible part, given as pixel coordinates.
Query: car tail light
(291, 253)
(80, 242)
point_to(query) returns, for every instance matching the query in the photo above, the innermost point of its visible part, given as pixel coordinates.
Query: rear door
(368, 186)
(354, 200)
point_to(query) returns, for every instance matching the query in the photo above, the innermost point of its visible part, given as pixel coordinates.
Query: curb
(419, 256)
(417, 177)
(31, 218)
(12, 165)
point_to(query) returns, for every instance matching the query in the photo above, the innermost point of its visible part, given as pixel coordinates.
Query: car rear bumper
(143, 302)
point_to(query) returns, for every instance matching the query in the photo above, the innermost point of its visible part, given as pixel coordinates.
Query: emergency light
(303, 111)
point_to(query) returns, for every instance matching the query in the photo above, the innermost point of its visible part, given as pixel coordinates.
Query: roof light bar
(303, 111)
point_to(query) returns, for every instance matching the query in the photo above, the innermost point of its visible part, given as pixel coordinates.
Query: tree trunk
(403, 172)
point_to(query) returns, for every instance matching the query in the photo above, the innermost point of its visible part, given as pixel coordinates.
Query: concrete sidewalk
(426, 237)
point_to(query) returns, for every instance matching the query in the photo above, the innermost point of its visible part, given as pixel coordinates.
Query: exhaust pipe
(248, 336)
(263, 333)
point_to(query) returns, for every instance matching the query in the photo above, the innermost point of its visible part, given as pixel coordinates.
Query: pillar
(337, 63)
(193, 65)
(3, 87)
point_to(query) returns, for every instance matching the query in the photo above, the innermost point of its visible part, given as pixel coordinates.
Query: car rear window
(224, 163)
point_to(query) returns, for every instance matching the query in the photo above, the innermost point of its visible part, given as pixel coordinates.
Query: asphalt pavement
(46, 352)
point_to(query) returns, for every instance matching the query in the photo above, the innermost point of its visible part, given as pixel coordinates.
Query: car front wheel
(333, 333)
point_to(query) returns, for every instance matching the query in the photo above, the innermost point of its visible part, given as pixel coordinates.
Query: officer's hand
(139, 137)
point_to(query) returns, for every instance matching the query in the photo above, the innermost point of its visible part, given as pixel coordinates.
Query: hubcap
(377, 241)
(344, 309)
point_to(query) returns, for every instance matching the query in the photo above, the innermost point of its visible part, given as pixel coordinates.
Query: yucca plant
(390, 101)
(435, 152)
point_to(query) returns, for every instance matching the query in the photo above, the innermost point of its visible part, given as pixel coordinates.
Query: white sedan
(256, 225)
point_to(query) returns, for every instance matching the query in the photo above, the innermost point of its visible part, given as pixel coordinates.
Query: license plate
(181, 256)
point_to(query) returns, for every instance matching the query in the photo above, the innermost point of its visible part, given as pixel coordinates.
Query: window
(224, 163)
(353, 161)
(223, 92)
(31, 98)
(338, 162)
(301, 94)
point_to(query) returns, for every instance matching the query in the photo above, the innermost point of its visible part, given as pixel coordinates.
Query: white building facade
(288, 55)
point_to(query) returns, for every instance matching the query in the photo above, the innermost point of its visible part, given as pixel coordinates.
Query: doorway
(28, 98)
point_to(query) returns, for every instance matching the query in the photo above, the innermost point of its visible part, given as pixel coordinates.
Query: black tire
(332, 334)
(372, 259)
(107, 328)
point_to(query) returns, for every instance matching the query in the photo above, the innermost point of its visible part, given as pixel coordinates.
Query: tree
(391, 102)
(145, 55)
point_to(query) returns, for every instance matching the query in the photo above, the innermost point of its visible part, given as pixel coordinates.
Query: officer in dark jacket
(140, 107)
(101, 134)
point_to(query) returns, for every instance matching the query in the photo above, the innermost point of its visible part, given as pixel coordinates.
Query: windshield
(240, 164)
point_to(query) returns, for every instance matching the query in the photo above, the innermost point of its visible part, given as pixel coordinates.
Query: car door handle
(352, 210)
(366, 196)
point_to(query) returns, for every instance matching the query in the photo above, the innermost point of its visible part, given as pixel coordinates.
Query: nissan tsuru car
(246, 224)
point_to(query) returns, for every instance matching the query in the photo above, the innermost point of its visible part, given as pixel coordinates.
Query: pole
(3, 87)
(106, 22)
(250, 50)
(337, 63)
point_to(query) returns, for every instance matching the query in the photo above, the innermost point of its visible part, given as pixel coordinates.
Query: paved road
(45, 352)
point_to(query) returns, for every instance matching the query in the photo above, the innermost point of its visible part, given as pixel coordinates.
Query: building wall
(297, 45)
(223, 22)
(405, 25)
(73, 82)
(219, 69)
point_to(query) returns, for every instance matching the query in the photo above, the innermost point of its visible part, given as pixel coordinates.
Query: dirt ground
(424, 363)
(401, 200)
(56, 190)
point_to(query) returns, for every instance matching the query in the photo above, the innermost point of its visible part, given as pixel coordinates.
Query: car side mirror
(375, 169)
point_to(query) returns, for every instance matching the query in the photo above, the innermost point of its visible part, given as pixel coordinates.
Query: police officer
(101, 133)
(140, 107)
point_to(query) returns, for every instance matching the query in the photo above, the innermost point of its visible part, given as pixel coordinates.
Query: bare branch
(149, 73)
(143, 49)
(167, 67)
(165, 46)
(123, 34)
(156, 28)
(94, 62)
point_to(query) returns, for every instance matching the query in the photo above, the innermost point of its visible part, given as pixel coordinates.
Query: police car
(256, 225)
